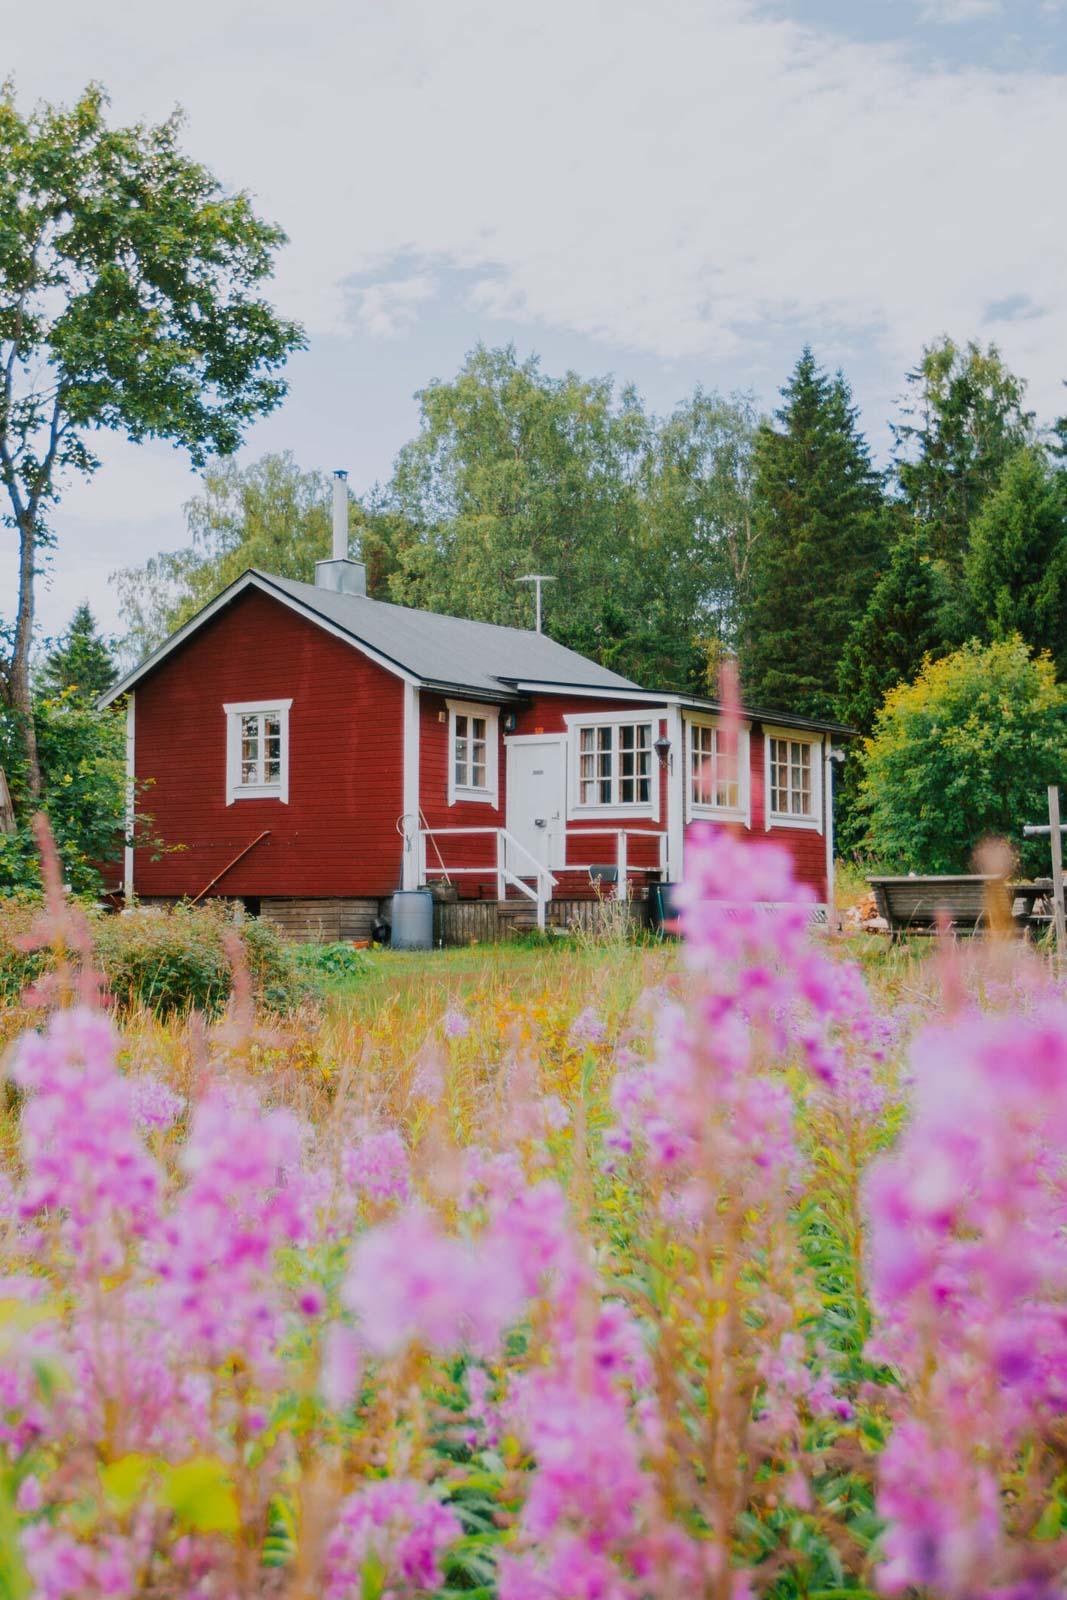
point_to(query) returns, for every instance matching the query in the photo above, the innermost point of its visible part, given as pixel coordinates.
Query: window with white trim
(472, 752)
(715, 777)
(257, 750)
(792, 792)
(615, 764)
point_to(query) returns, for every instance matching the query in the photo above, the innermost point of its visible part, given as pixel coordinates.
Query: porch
(494, 876)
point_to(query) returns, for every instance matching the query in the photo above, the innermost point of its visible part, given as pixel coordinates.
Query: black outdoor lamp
(662, 747)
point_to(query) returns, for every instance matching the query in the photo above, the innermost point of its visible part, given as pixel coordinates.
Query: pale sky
(673, 192)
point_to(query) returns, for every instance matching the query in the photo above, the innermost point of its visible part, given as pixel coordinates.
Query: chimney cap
(340, 472)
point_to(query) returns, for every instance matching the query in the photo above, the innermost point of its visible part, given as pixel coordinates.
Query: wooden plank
(1056, 841)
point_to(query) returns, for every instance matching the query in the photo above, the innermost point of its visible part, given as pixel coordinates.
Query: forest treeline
(675, 540)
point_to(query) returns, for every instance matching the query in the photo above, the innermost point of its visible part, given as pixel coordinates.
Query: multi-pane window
(790, 773)
(261, 750)
(470, 752)
(257, 750)
(714, 768)
(615, 764)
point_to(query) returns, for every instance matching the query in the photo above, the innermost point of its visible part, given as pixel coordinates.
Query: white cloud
(959, 10)
(684, 180)
(390, 308)
(672, 178)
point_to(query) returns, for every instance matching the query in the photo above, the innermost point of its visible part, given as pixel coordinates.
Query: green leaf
(124, 1481)
(200, 1494)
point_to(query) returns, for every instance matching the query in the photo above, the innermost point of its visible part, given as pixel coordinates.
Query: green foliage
(270, 515)
(338, 960)
(80, 664)
(899, 626)
(964, 752)
(821, 532)
(964, 419)
(515, 472)
(175, 961)
(83, 762)
(698, 496)
(129, 301)
(1016, 567)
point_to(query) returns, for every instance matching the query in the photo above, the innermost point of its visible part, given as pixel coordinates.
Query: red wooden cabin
(311, 749)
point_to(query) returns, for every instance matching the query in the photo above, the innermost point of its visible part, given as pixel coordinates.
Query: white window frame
(235, 789)
(575, 722)
(694, 809)
(775, 819)
(489, 793)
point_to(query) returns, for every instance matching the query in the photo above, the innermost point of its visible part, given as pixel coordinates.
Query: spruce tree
(901, 625)
(821, 534)
(80, 662)
(1016, 567)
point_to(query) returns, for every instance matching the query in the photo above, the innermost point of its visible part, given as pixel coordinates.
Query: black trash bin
(663, 912)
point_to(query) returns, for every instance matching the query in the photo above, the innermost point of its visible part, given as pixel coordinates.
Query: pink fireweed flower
(409, 1280)
(456, 1024)
(155, 1104)
(395, 1524)
(81, 1148)
(588, 1028)
(378, 1165)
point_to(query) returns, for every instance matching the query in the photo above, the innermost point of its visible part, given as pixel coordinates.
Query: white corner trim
(490, 794)
(814, 822)
(411, 819)
(131, 797)
(236, 790)
(704, 813)
(677, 785)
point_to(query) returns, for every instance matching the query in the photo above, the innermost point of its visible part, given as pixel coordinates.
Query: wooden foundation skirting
(487, 921)
(321, 921)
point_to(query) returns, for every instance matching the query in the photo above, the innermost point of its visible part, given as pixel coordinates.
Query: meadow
(603, 1273)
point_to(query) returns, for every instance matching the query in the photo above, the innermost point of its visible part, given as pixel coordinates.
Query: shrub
(167, 961)
(336, 960)
(173, 961)
(965, 751)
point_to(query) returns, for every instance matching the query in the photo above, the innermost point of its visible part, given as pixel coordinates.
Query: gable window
(794, 782)
(257, 750)
(472, 752)
(718, 770)
(615, 764)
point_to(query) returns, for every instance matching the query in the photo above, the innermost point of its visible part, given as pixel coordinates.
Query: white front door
(537, 799)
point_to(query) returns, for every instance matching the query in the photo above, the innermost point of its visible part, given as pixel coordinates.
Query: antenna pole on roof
(537, 579)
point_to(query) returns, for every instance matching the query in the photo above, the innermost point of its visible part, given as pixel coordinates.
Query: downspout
(410, 796)
(828, 825)
(131, 800)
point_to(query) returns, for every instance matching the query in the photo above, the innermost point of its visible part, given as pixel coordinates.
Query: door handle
(540, 822)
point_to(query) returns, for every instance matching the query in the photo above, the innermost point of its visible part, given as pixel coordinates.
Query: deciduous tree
(270, 514)
(129, 300)
(963, 419)
(964, 752)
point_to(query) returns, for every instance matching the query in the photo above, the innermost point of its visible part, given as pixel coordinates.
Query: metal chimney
(340, 515)
(339, 573)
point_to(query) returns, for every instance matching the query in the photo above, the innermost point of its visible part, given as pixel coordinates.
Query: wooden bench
(914, 905)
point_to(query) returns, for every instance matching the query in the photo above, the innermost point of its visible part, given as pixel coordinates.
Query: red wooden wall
(337, 835)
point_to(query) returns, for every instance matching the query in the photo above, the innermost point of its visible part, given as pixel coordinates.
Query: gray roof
(440, 652)
(452, 652)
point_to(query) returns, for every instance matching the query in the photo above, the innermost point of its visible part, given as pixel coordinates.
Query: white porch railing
(621, 862)
(509, 854)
